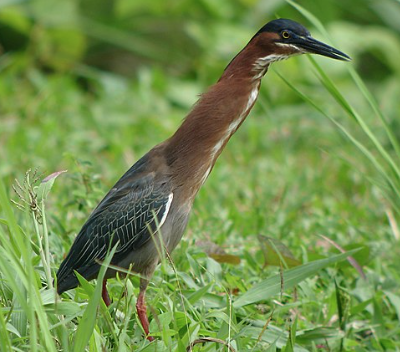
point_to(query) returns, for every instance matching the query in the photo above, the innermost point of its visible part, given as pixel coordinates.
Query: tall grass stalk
(19, 273)
(385, 163)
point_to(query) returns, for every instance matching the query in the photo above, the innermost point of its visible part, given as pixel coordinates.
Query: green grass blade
(356, 78)
(5, 343)
(334, 91)
(88, 321)
(394, 188)
(20, 274)
(374, 105)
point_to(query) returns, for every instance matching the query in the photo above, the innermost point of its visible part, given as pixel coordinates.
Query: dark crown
(276, 26)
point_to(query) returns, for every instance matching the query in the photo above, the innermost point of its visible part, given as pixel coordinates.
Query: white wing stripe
(167, 207)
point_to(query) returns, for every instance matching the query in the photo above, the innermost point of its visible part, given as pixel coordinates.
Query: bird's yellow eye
(285, 35)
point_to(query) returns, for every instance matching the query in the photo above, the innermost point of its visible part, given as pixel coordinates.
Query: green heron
(148, 208)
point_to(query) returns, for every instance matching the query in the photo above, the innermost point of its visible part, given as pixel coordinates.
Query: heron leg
(105, 295)
(142, 310)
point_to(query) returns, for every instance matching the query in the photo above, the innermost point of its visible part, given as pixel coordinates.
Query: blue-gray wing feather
(127, 216)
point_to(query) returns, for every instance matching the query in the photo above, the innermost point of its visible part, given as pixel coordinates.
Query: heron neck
(193, 150)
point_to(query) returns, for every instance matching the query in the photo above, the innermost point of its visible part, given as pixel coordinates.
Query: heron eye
(285, 35)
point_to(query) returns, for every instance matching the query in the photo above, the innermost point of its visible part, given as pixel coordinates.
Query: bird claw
(142, 314)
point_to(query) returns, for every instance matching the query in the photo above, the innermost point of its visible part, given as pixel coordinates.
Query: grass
(289, 174)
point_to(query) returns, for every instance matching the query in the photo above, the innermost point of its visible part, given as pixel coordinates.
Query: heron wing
(127, 216)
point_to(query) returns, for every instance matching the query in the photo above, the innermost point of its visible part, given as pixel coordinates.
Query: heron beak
(313, 46)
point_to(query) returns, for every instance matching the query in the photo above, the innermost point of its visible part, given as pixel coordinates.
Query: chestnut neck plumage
(194, 148)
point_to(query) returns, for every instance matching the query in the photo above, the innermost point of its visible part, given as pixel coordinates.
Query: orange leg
(105, 295)
(142, 314)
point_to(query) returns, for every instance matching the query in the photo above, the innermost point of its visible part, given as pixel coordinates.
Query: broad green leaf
(320, 333)
(360, 307)
(378, 318)
(198, 294)
(226, 258)
(343, 304)
(276, 253)
(13, 330)
(291, 277)
(273, 335)
(217, 253)
(5, 343)
(395, 300)
(47, 183)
